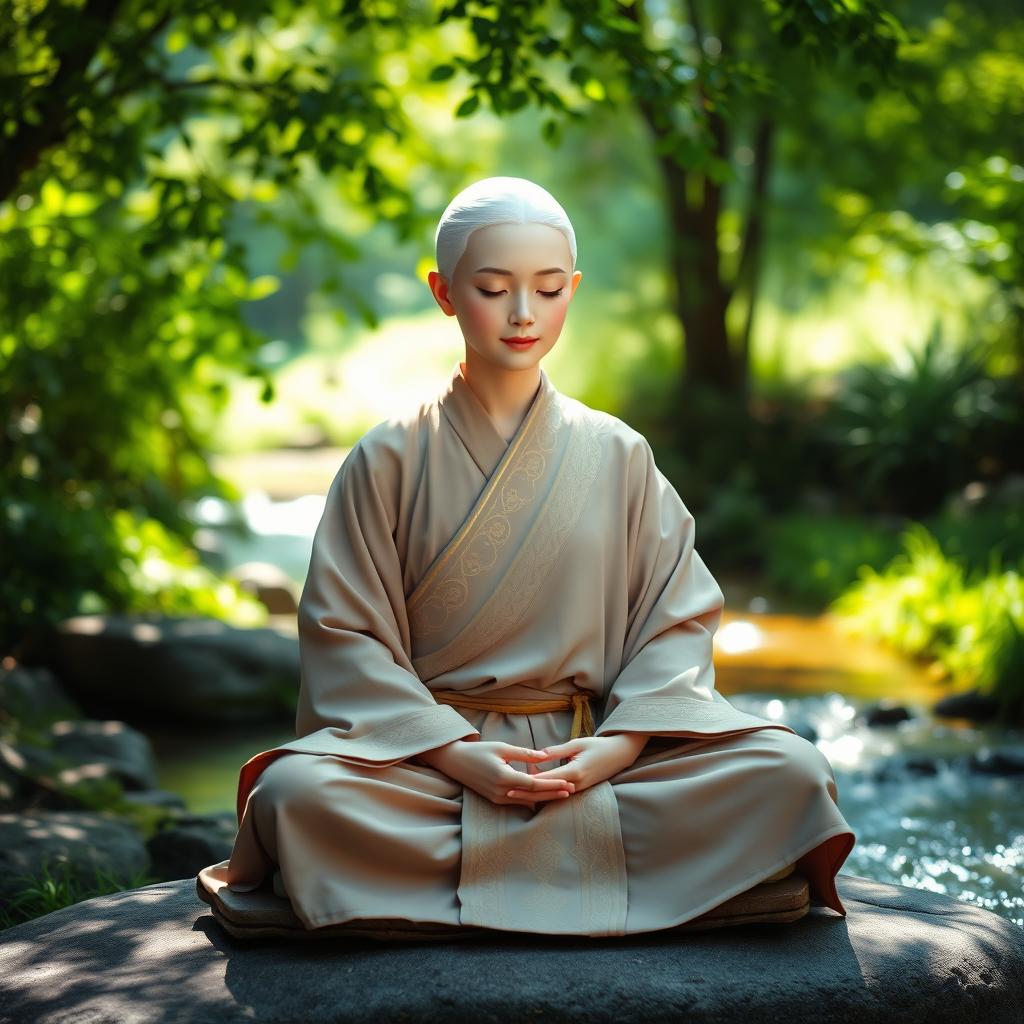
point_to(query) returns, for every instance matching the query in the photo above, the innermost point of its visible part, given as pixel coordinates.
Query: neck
(505, 394)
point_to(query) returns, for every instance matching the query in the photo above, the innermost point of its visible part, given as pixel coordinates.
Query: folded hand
(483, 766)
(593, 759)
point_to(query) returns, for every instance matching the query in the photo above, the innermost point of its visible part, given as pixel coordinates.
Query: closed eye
(547, 295)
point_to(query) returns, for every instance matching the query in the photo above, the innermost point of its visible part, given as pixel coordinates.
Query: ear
(439, 289)
(576, 278)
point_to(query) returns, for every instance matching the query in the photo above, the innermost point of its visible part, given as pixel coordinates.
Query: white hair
(498, 200)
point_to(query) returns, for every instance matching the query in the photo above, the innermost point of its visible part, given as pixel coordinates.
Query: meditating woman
(508, 716)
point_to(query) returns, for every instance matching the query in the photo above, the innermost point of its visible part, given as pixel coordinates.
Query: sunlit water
(923, 816)
(958, 831)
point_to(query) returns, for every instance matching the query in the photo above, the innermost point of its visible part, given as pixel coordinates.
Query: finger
(532, 797)
(566, 749)
(524, 779)
(558, 774)
(545, 785)
(511, 753)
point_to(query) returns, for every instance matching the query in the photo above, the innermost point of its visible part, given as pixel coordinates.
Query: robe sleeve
(360, 696)
(666, 681)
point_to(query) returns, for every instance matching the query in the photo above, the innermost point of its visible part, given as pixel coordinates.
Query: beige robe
(447, 558)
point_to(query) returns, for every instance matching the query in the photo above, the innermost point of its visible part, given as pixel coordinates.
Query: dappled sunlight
(84, 772)
(129, 951)
(143, 632)
(158, 953)
(385, 372)
(805, 654)
(738, 636)
(199, 627)
(298, 517)
(91, 625)
(217, 285)
(868, 308)
(36, 828)
(843, 751)
(108, 728)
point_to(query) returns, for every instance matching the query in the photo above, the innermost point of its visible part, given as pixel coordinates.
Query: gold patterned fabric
(462, 586)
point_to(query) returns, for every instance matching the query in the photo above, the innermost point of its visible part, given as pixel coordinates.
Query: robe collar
(470, 420)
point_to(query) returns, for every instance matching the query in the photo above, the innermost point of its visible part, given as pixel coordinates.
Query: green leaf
(52, 195)
(790, 34)
(262, 286)
(77, 204)
(177, 40)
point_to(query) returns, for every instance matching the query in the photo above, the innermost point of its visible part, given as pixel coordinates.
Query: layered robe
(450, 559)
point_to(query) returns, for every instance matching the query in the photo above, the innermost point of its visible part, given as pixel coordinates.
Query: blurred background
(801, 227)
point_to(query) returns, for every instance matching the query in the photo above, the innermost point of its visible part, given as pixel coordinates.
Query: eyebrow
(508, 273)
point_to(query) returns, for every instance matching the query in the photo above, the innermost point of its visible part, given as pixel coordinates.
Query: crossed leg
(701, 819)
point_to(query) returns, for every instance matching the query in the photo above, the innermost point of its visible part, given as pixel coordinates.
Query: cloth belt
(579, 702)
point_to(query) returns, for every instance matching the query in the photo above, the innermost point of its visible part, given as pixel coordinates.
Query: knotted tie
(579, 702)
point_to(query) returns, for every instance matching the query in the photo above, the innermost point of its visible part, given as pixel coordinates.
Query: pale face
(513, 280)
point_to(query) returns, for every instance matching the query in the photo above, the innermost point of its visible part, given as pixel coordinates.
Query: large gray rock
(191, 843)
(272, 586)
(76, 843)
(32, 696)
(176, 668)
(157, 954)
(108, 749)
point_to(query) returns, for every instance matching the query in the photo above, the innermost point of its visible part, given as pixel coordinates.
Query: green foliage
(162, 573)
(613, 58)
(828, 27)
(128, 143)
(731, 527)
(930, 173)
(65, 560)
(94, 794)
(893, 438)
(815, 557)
(981, 524)
(989, 198)
(970, 626)
(906, 435)
(133, 143)
(56, 885)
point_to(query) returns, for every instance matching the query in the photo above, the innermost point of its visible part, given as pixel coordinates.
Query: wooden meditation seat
(267, 912)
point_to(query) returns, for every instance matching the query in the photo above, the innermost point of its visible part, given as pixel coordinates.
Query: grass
(57, 885)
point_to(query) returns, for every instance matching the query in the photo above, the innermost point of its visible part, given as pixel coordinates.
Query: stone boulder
(191, 843)
(109, 749)
(271, 586)
(176, 668)
(32, 696)
(157, 954)
(78, 844)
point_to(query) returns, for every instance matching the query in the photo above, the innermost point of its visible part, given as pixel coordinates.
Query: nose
(521, 311)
